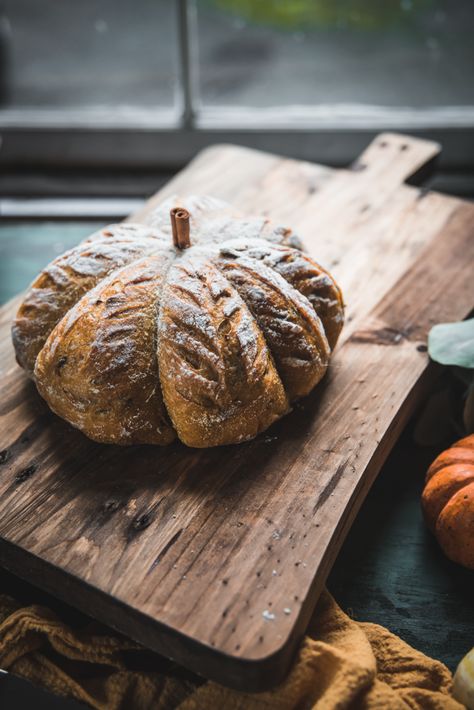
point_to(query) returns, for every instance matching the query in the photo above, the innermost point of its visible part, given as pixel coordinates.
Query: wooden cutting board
(216, 557)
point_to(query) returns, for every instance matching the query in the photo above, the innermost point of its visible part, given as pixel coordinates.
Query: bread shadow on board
(88, 468)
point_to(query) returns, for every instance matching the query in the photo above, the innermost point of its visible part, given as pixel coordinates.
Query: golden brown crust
(135, 341)
(66, 279)
(219, 382)
(98, 368)
(291, 328)
(304, 274)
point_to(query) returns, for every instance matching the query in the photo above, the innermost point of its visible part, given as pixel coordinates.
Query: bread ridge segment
(64, 281)
(98, 368)
(219, 381)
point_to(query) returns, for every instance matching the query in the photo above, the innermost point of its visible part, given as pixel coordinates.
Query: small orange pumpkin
(448, 501)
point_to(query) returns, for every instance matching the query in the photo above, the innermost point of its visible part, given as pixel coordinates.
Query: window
(141, 82)
(336, 59)
(69, 62)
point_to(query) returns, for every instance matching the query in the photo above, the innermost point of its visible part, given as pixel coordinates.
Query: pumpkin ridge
(466, 443)
(448, 501)
(455, 527)
(453, 455)
(442, 486)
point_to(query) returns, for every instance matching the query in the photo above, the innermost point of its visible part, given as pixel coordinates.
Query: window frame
(144, 138)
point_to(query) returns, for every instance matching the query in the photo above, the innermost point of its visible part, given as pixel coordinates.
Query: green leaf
(453, 343)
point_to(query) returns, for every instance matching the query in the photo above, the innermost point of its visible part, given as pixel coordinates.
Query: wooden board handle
(398, 158)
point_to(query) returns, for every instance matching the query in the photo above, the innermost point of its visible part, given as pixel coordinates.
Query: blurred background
(102, 101)
(143, 84)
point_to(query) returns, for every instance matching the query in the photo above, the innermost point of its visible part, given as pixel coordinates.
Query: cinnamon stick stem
(173, 228)
(180, 227)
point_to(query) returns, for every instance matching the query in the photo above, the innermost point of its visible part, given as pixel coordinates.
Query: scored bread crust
(98, 368)
(219, 382)
(66, 279)
(134, 341)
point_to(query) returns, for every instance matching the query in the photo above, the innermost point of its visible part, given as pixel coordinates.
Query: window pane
(88, 54)
(392, 53)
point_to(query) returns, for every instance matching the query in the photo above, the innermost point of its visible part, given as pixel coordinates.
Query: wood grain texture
(216, 557)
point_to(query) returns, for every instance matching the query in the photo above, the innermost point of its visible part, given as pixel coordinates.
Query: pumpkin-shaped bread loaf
(201, 324)
(448, 501)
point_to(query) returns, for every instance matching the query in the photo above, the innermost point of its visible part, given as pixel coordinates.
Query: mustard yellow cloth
(341, 664)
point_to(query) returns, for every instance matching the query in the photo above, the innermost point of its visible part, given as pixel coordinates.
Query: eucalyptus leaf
(453, 343)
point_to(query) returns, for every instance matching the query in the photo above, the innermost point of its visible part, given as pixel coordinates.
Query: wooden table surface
(389, 571)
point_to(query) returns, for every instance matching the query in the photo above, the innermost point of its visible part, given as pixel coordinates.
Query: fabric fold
(341, 664)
